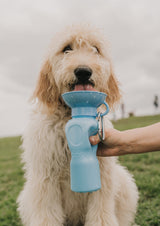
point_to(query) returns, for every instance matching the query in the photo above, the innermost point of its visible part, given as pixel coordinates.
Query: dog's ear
(46, 90)
(113, 90)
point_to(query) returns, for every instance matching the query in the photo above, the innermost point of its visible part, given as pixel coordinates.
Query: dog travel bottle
(84, 166)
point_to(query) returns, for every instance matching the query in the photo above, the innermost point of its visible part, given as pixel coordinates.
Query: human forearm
(146, 139)
(132, 141)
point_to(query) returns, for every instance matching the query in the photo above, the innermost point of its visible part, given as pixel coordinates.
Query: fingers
(111, 146)
(94, 139)
(102, 150)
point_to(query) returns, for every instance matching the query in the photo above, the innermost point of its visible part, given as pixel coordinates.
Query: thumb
(94, 139)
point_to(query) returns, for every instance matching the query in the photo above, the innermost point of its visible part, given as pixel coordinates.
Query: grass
(144, 167)
(146, 171)
(11, 180)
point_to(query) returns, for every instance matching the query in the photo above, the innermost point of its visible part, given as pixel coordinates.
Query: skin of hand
(139, 140)
(111, 146)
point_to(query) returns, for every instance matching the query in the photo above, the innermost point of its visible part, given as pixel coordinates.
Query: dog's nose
(83, 73)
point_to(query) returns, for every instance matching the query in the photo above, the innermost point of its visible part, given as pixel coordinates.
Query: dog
(77, 60)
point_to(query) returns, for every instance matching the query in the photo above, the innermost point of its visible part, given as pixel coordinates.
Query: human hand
(133, 141)
(112, 145)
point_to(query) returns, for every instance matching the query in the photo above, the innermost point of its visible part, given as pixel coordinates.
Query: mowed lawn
(144, 167)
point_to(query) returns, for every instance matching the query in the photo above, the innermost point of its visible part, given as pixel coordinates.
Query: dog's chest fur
(74, 204)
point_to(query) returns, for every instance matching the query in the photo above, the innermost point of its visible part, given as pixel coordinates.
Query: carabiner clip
(101, 132)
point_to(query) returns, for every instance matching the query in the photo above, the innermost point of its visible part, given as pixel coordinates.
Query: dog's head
(78, 60)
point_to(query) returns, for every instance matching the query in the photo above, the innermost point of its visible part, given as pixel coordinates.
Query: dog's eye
(96, 49)
(67, 49)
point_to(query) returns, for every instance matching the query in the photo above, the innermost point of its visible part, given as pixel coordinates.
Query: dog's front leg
(40, 203)
(101, 204)
(100, 211)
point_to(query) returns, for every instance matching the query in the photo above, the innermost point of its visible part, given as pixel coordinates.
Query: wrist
(126, 143)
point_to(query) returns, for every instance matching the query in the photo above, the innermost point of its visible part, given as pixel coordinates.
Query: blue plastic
(85, 173)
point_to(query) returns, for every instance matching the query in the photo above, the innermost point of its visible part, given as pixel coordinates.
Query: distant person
(155, 103)
(123, 110)
(134, 141)
(114, 116)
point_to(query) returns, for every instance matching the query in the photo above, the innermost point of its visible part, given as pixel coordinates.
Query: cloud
(27, 28)
(14, 112)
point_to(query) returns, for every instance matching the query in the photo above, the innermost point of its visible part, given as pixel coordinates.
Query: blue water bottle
(84, 166)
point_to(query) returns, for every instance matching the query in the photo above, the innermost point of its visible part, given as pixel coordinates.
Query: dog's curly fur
(47, 199)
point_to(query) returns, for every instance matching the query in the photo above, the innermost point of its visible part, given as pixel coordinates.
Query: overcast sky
(27, 28)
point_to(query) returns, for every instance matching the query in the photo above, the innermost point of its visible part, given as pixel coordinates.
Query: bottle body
(85, 173)
(84, 166)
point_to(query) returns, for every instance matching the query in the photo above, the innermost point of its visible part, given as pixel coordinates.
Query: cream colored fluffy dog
(78, 60)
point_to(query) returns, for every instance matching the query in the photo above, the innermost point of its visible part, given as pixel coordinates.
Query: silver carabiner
(101, 132)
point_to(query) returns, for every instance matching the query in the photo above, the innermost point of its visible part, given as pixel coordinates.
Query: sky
(28, 26)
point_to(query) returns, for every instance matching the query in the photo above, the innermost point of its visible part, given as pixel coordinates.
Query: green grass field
(144, 167)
